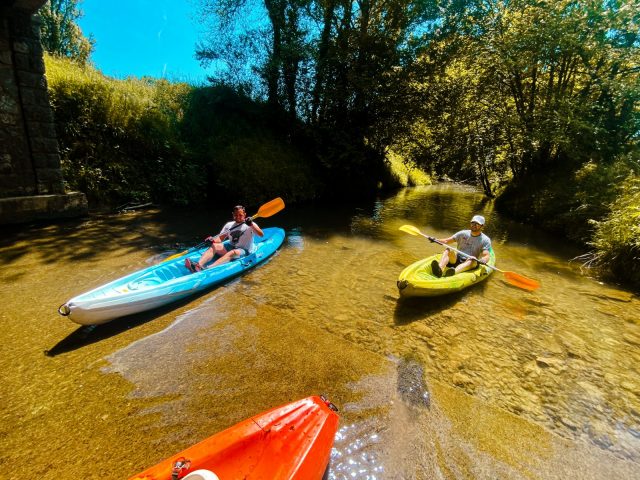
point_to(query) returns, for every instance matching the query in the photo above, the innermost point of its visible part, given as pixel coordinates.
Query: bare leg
(227, 257)
(466, 265)
(448, 256)
(207, 256)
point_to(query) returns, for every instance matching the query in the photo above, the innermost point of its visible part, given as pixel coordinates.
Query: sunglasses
(476, 223)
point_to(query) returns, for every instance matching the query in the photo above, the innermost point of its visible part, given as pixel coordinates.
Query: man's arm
(257, 230)
(221, 237)
(447, 240)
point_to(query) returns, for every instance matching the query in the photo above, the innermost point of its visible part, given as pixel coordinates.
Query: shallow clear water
(494, 382)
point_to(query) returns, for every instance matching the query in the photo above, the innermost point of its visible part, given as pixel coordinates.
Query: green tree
(337, 66)
(60, 34)
(549, 84)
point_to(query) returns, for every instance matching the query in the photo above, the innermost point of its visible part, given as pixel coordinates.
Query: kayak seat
(201, 475)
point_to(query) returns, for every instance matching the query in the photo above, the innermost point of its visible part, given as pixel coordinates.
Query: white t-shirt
(471, 245)
(240, 237)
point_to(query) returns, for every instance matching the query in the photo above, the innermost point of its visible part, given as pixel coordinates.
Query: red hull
(292, 441)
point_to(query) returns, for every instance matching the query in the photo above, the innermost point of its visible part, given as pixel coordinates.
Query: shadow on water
(88, 334)
(80, 239)
(409, 310)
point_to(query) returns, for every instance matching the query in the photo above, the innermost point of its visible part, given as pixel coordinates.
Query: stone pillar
(29, 155)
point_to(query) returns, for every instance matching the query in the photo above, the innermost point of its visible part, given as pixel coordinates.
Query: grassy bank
(616, 241)
(119, 139)
(138, 140)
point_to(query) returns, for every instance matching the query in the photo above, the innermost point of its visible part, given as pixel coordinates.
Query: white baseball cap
(478, 219)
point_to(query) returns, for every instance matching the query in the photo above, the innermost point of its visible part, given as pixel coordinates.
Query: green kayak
(417, 280)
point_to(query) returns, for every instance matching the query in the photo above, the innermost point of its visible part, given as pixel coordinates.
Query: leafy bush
(247, 156)
(617, 237)
(405, 173)
(256, 170)
(565, 201)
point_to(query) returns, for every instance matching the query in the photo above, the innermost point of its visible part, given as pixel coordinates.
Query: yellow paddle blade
(175, 255)
(410, 229)
(270, 208)
(521, 281)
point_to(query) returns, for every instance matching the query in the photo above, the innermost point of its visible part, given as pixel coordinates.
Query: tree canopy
(60, 34)
(491, 91)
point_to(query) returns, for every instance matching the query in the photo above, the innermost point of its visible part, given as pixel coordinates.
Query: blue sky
(144, 37)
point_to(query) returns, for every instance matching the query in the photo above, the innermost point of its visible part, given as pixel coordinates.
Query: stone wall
(29, 158)
(29, 155)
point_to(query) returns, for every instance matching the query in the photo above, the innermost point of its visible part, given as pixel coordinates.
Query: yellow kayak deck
(417, 280)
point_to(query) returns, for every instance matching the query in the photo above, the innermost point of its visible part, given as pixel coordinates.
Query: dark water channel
(494, 382)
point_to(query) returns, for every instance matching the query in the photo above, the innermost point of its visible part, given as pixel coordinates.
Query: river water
(493, 382)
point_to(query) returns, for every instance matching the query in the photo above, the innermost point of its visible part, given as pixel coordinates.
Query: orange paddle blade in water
(521, 281)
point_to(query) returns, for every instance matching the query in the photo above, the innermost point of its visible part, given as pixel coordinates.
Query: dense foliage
(535, 101)
(336, 66)
(139, 140)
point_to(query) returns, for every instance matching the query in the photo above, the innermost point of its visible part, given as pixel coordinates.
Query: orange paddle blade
(270, 208)
(521, 281)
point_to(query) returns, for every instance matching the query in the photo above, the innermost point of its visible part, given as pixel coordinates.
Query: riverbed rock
(450, 331)
(550, 362)
(631, 386)
(631, 339)
(553, 347)
(462, 380)
(575, 346)
(609, 294)
(600, 433)
(590, 389)
(411, 385)
(531, 369)
(570, 423)
(537, 302)
(423, 330)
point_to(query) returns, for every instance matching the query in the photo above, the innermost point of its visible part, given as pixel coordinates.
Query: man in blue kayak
(234, 240)
(472, 242)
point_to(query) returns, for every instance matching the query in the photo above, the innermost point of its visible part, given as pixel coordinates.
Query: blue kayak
(161, 284)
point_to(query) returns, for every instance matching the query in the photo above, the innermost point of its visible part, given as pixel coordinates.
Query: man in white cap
(472, 242)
